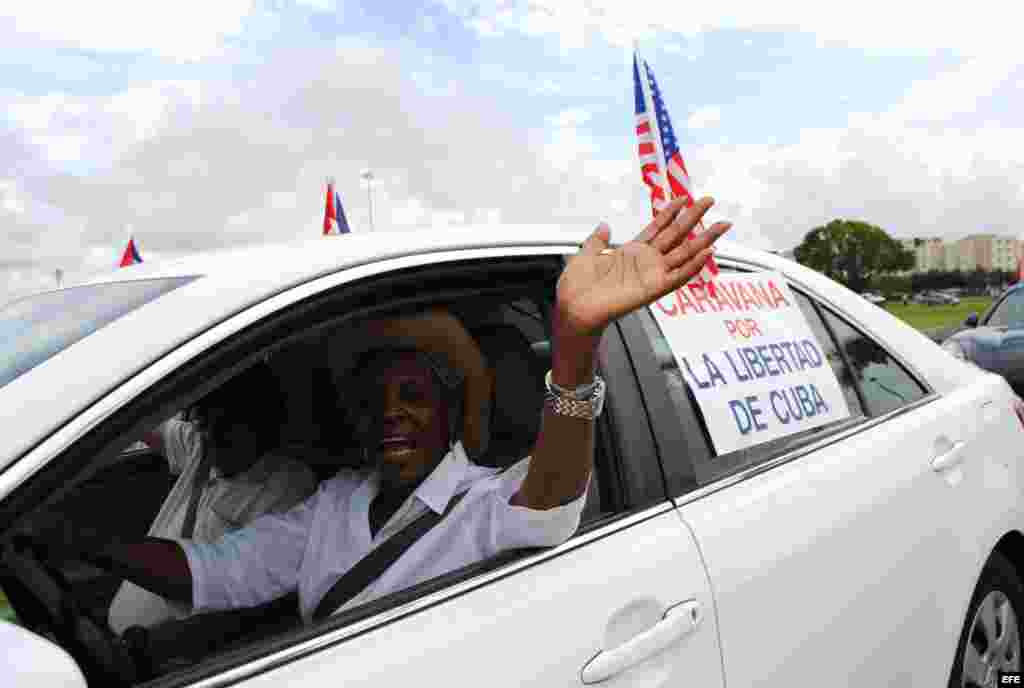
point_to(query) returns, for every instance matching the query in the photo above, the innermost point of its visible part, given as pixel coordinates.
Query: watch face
(580, 393)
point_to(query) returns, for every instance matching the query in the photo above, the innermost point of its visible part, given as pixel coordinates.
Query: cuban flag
(661, 164)
(131, 254)
(334, 215)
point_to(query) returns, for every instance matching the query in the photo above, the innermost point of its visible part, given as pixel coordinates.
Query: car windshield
(38, 327)
(1009, 313)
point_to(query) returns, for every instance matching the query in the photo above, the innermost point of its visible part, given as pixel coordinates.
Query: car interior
(67, 601)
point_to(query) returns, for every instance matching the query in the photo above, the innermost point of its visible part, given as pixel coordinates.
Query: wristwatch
(585, 402)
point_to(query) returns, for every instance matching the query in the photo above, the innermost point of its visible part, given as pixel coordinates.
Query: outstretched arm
(597, 287)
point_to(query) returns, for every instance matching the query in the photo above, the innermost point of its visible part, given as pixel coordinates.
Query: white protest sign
(749, 356)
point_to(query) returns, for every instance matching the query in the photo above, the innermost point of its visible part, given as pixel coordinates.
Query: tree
(852, 252)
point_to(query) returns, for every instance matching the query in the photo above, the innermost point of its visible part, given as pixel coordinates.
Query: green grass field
(928, 318)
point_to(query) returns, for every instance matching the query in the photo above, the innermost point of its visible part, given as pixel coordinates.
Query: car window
(1010, 312)
(682, 397)
(512, 329)
(883, 382)
(36, 328)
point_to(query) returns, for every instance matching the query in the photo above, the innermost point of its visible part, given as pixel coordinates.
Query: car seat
(519, 370)
(518, 394)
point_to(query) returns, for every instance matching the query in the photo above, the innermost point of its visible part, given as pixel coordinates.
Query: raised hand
(599, 284)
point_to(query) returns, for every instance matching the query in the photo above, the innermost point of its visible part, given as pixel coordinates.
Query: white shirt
(314, 544)
(274, 483)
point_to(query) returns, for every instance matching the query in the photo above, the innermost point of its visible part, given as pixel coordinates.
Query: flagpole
(645, 88)
(368, 176)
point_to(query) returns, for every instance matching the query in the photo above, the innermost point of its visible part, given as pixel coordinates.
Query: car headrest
(294, 368)
(518, 394)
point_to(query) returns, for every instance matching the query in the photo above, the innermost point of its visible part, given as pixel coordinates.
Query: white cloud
(99, 128)
(234, 166)
(572, 117)
(10, 199)
(321, 5)
(569, 143)
(183, 30)
(704, 117)
(191, 168)
(959, 91)
(914, 26)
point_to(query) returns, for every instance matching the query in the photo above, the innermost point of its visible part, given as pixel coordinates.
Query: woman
(419, 467)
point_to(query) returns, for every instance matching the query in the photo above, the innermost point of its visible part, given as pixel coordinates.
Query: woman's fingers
(682, 253)
(663, 219)
(682, 274)
(597, 240)
(677, 231)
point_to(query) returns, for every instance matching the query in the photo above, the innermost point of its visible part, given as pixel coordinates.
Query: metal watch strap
(565, 404)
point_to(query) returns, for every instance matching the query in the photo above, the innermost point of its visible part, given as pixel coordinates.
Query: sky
(200, 125)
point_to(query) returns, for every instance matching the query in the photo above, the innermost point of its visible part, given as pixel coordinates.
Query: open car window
(507, 315)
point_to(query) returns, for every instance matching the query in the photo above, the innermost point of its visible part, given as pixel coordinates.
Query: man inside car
(228, 475)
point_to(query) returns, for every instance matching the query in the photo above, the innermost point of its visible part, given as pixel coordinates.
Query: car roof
(226, 282)
(230, 281)
(305, 259)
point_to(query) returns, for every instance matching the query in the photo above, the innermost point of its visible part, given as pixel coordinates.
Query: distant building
(984, 251)
(929, 254)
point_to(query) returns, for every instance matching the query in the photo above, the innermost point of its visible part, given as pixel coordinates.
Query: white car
(882, 549)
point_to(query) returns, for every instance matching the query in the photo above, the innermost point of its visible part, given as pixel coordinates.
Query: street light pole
(368, 176)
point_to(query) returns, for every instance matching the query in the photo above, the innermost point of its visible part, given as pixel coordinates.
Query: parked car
(925, 298)
(873, 297)
(882, 548)
(995, 340)
(935, 298)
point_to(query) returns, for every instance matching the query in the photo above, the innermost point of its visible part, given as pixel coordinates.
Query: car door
(840, 556)
(625, 602)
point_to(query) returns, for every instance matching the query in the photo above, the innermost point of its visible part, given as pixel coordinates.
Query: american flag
(671, 165)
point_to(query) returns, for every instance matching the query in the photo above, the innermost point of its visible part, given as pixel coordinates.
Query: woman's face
(405, 419)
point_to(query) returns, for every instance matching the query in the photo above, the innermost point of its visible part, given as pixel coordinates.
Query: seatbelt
(198, 484)
(370, 567)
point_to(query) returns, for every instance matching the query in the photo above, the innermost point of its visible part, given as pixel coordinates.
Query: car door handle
(678, 621)
(950, 458)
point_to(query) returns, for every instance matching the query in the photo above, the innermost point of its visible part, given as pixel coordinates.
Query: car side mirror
(972, 320)
(33, 661)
